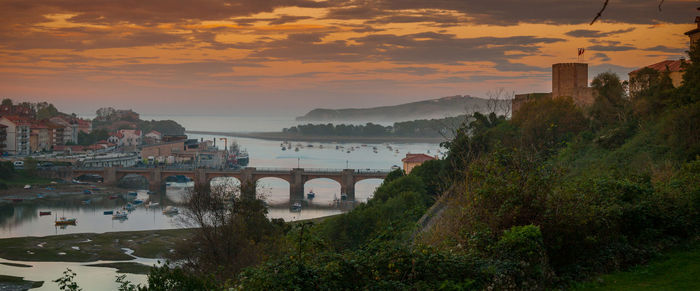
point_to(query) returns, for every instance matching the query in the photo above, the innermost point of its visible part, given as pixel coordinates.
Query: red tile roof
(417, 158)
(670, 65)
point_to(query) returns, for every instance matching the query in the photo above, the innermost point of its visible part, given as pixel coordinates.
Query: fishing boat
(120, 215)
(296, 207)
(311, 195)
(42, 213)
(108, 212)
(171, 210)
(65, 221)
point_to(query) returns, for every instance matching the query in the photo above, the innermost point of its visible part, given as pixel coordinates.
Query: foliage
(416, 128)
(30, 166)
(546, 124)
(165, 127)
(67, 281)
(92, 137)
(7, 170)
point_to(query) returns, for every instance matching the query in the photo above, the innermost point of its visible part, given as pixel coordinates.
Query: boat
(108, 212)
(132, 193)
(42, 213)
(343, 197)
(242, 159)
(137, 201)
(86, 202)
(150, 192)
(284, 148)
(27, 186)
(129, 206)
(152, 204)
(86, 191)
(65, 221)
(394, 168)
(112, 197)
(120, 215)
(39, 195)
(296, 207)
(296, 149)
(17, 199)
(171, 210)
(311, 195)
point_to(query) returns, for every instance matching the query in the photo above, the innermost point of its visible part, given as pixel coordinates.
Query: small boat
(42, 213)
(152, 204)
(395, 167)
(311, 195)
(39, 195)
(120, 215)
(86, 191)
(112, 197)
(171, 210)
(50, 188)
(129, 206)
(65, 221)
(27, 186)
(284, 148)
(132, 193)
(296, 149)
(108, 212)
(343, 197)
(296, 207)
(86, 202)
(138, 201)
(149, 192)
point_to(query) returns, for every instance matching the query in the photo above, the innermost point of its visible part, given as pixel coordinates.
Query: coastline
(281, 136)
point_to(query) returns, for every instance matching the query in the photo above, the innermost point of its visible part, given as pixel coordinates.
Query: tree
(611, 105)
(547, 123)
(7, 102)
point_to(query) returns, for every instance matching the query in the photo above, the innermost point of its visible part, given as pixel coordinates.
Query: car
(18, 164)
(89, 178)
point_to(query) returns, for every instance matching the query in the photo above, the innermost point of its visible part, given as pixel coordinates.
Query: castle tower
(571, 80)
(694, 34)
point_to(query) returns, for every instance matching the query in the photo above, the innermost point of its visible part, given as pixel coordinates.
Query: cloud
(601, 57)
(611, 48)
(596, 33)
(663, 48)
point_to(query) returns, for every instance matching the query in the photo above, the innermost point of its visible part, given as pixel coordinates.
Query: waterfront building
(39, 138)
(18, 133)
(152, 137)
(413, 160)
(70, 128)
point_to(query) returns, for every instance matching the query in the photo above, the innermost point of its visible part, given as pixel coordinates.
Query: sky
(285, 57)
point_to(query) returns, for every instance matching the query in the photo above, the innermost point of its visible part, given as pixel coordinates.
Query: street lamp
(298, 161)
(346, 164)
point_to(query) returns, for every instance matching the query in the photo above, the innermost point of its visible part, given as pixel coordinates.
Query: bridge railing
(276, 170)
(371, 171)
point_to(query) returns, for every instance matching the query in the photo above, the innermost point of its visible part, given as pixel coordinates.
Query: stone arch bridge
(296, 177)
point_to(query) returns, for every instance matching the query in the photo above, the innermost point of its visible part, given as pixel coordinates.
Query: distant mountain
(435, 108)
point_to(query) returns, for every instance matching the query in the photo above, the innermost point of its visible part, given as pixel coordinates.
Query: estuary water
(19, 219)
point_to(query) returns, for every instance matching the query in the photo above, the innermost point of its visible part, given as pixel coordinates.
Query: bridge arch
(365, 187)
(325, 188)
(133, 180)
(273, 189)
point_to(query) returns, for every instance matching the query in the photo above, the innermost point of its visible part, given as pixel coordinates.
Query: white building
(18, 133)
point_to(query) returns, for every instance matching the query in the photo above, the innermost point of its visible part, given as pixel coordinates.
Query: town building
(55, 133)
(413, 160)
(18, 132)
(70, 128)
(39, 138)
(3, 138)
(84, 126)
(694, 34)
(674, 69)
(152, 137)
(130, 137)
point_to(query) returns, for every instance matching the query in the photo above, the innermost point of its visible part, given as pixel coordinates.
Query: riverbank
(281, 136)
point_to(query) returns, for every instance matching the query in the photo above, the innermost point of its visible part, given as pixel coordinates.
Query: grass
(678, 269)
(16, 265)
(104, 246)
(21, 178)
(126, 267)
(14, 283)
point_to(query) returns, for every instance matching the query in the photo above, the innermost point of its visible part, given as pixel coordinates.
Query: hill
(434, 108)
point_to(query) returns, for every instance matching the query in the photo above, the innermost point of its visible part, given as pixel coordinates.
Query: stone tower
(571, 80)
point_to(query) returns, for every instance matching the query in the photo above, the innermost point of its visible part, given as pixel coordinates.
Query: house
(674, 68)
(152, 137)
(39, 138)
(130, 137)
(84, 126)
(70, 128)
(413, 160)
(115, 138)
(18, 132)
(55, 133)
(23, 111)
(3, 138)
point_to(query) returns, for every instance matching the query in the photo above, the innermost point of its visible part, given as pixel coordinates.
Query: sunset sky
(289, 56)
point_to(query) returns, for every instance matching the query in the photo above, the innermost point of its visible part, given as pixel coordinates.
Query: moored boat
(296, 207)
(42, 213)
(108, 212)
(171, 210)
(120, 215)
(152, 204)
(132, 193)
(65, 221)
(311, 195)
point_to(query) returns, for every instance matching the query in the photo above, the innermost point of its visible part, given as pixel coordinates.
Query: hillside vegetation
(544, 200)
(435, 108)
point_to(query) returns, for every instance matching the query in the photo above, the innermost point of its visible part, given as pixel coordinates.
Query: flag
(580, 51)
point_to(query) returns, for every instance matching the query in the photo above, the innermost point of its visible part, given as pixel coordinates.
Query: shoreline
(281, 136)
